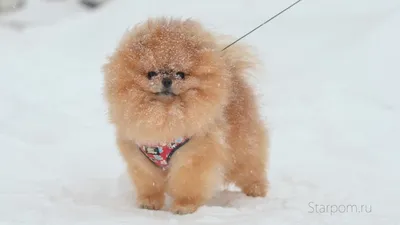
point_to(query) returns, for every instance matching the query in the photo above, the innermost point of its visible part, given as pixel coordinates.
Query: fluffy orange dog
(186, 119)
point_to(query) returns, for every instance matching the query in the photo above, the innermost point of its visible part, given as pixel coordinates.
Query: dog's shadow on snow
(120, 195)
(232, 199)
(225, 198)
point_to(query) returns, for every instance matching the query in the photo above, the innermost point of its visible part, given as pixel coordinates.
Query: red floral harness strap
(160, 154)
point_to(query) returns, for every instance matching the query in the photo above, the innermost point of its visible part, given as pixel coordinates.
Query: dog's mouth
(166, 93)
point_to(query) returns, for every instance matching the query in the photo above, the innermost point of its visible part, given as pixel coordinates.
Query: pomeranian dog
(186, 119)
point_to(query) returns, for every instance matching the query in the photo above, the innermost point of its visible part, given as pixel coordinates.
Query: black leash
(261, 25)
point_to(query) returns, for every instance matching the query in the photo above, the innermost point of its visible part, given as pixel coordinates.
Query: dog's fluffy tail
(239, 57)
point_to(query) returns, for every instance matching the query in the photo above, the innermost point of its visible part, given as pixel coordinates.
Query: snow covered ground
(330, 95)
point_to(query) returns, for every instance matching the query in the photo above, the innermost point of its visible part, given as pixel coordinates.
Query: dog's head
(167, 75)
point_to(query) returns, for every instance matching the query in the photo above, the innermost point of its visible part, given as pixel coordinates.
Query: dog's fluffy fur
(213, 104)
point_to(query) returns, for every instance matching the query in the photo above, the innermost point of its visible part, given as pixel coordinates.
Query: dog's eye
(180, 74)
(151, 74)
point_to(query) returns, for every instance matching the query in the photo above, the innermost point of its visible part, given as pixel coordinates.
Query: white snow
(330, 93)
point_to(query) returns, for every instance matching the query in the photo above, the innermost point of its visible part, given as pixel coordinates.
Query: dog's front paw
(183, 207)
(152, 202)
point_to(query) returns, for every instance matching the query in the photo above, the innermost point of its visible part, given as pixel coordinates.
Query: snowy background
(329, 91)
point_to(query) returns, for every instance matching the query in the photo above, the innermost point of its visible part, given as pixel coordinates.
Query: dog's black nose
(167, 82)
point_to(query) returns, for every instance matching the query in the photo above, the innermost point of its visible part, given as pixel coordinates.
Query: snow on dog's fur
(208, 100)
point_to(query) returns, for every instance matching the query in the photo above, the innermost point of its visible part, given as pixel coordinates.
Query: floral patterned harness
(160, 154)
